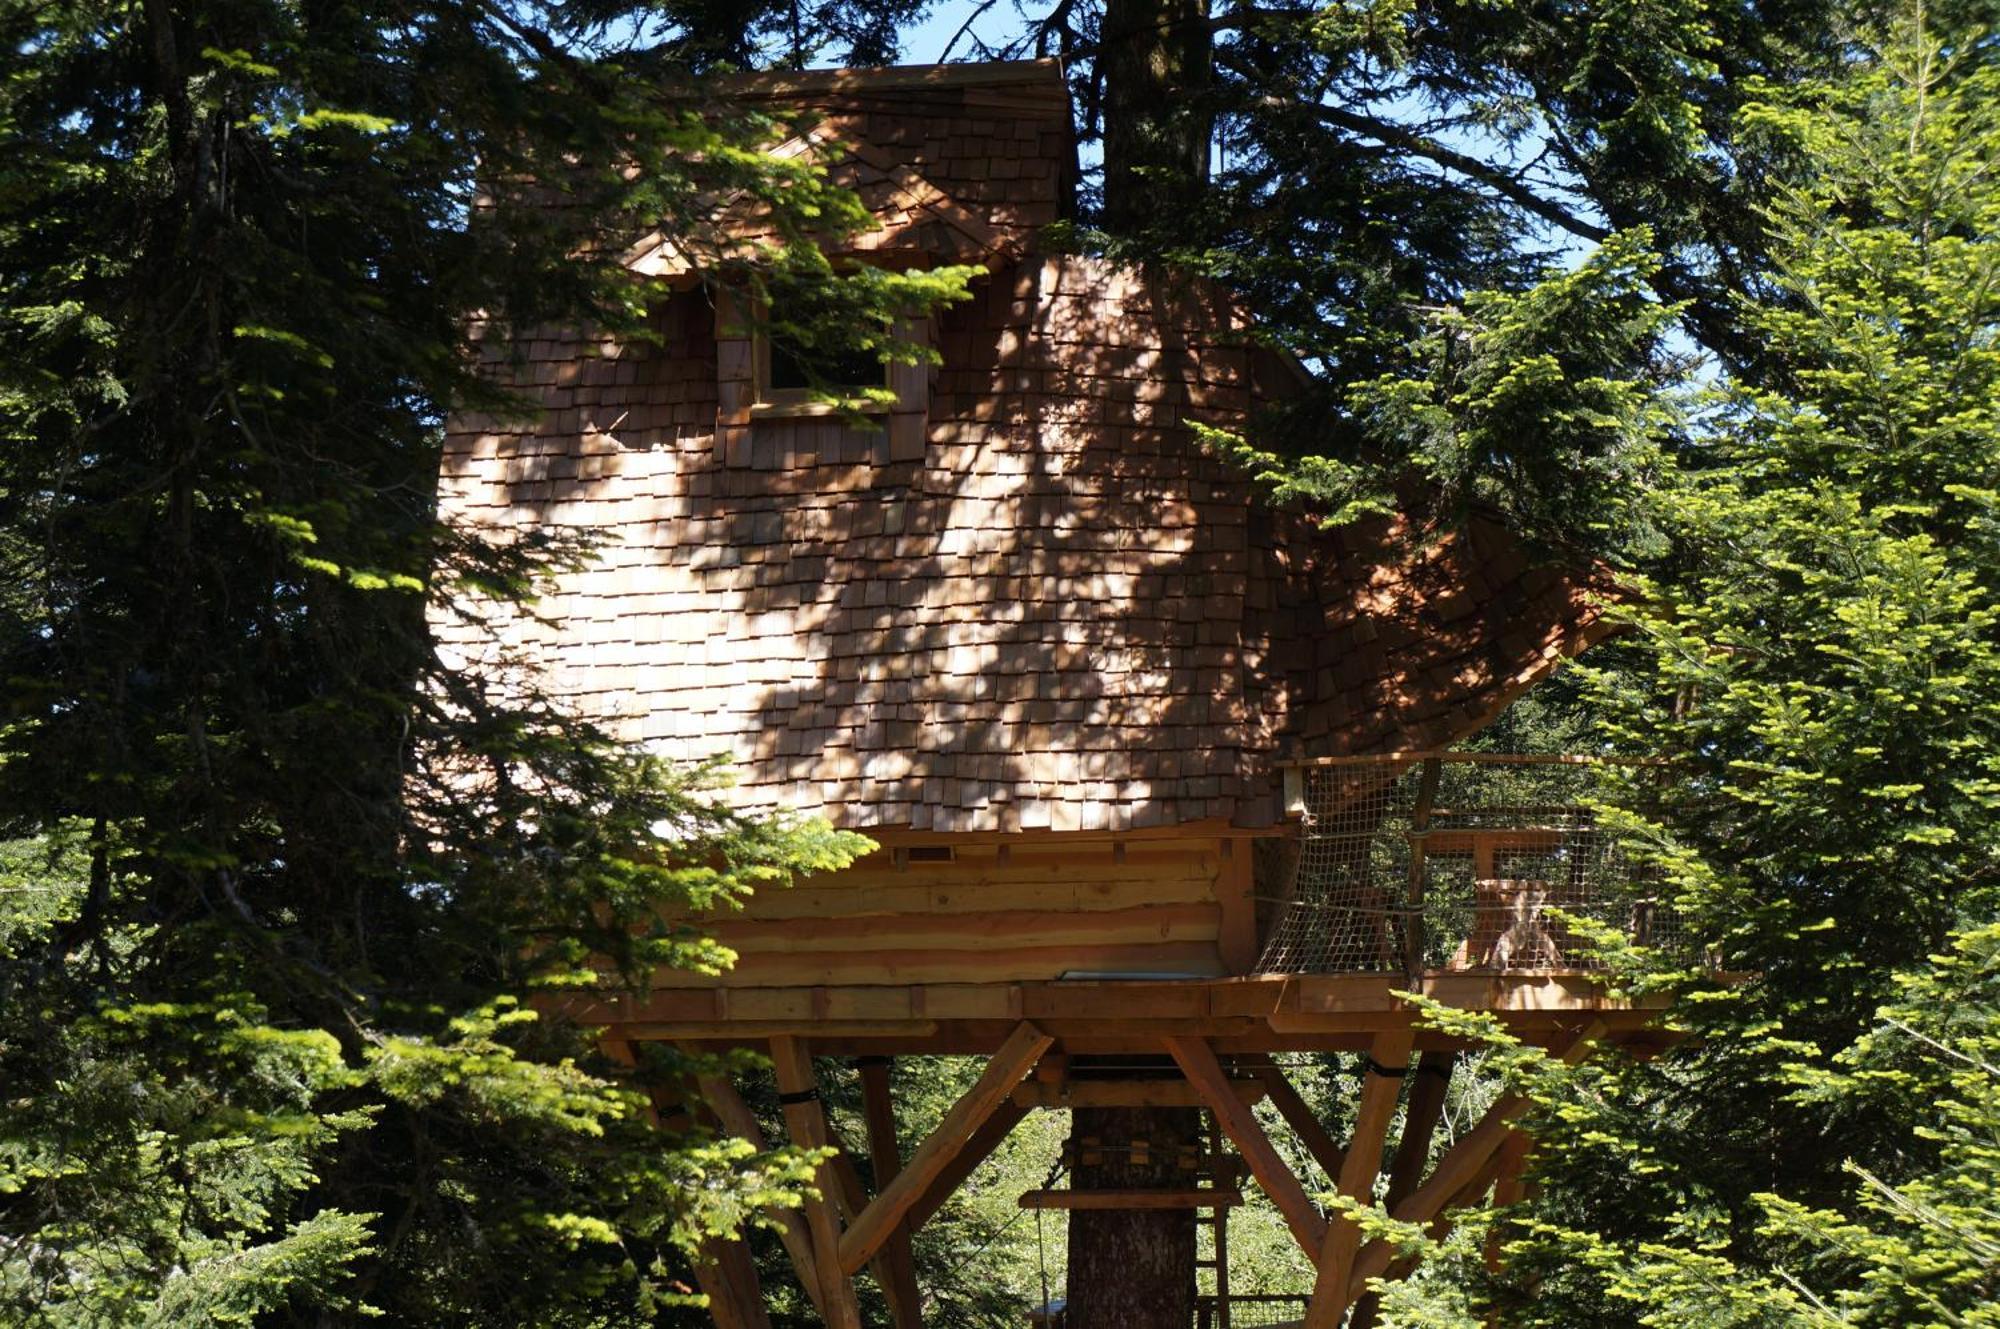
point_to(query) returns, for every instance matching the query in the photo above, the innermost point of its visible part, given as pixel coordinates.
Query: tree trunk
(1133, 1269)
(1157, 122)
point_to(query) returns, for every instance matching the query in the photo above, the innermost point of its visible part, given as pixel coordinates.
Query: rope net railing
(1455, 861)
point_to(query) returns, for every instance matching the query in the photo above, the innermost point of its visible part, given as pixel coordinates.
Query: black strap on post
(1391, 1072)
(802, 1096)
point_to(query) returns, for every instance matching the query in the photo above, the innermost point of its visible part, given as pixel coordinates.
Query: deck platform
(1266, 1013)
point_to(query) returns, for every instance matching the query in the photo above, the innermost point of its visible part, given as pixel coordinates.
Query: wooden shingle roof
(1056, 612)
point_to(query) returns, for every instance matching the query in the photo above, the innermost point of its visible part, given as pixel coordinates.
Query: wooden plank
(1074, 1094)
(1389, 1058)
(1023, 866)
(873, 1226)
(971, 931)
(1197, 1061)
(1184, 832)
(1003, 965)
(1193, 1198)
(1298, 1114)
(992, 1133)
(807, 1123)
(898, 1268)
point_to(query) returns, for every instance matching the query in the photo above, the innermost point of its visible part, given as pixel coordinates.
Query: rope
(950, 1279)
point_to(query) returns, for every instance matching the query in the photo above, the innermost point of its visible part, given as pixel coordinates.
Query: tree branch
(1495, 179)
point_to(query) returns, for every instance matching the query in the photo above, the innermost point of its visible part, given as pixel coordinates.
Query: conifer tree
(281, 885)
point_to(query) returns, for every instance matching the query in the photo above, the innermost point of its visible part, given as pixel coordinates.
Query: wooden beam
(798, 1092)
(991, 1134)
(1463, 1164)
(737, 1118)
(1388, 1059)
(1191, 1198)
(1298, 1114)
(1125, 1093)
(723, 1268)
(728, 1277)
(1510, 1162)
(1197, 1062)
(897, 1269)
(874, 1224)
(1423, 1108)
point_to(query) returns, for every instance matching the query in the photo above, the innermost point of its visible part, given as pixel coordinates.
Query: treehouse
(1161, 776)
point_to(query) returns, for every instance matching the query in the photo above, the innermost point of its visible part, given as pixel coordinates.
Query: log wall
(997, 910)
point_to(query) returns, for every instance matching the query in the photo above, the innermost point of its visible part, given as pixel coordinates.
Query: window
(790, 375)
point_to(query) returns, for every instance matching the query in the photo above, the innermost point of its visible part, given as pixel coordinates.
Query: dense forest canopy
(1705, 289)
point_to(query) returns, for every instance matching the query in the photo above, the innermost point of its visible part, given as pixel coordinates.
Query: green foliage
(1814, 646)
(1540, 406)
(287, 901)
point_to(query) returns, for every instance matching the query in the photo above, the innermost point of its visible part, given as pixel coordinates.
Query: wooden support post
(1510, 1162)
(1462, 1165)
(897, 1270)
(1388, 1059)
(850, 1198)
(874, 1224)
(1422, 1111)
(1413, 919)
(1298, 1114)
(723, 1269)
(1423, 1108)
(740, 1121)
(799, 1094)
(1235, 889)
(1197, 1062)
(728, 1276)
(990, 1135)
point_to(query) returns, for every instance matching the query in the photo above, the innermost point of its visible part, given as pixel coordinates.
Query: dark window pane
(849, 368)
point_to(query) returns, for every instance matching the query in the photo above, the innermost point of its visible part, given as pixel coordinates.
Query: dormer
(958, 164)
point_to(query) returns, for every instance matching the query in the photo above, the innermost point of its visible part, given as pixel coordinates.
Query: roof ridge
(783, 82)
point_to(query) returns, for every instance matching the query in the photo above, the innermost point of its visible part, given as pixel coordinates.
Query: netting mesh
(1260, 1311)
(1456, 861)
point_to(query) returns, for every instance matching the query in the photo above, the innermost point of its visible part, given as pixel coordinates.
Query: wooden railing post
(1413, 917)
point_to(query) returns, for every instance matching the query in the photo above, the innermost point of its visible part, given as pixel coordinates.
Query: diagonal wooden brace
(873, 1225)
(1462, 1166)
(1197, 1062)
(1381, 1086)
